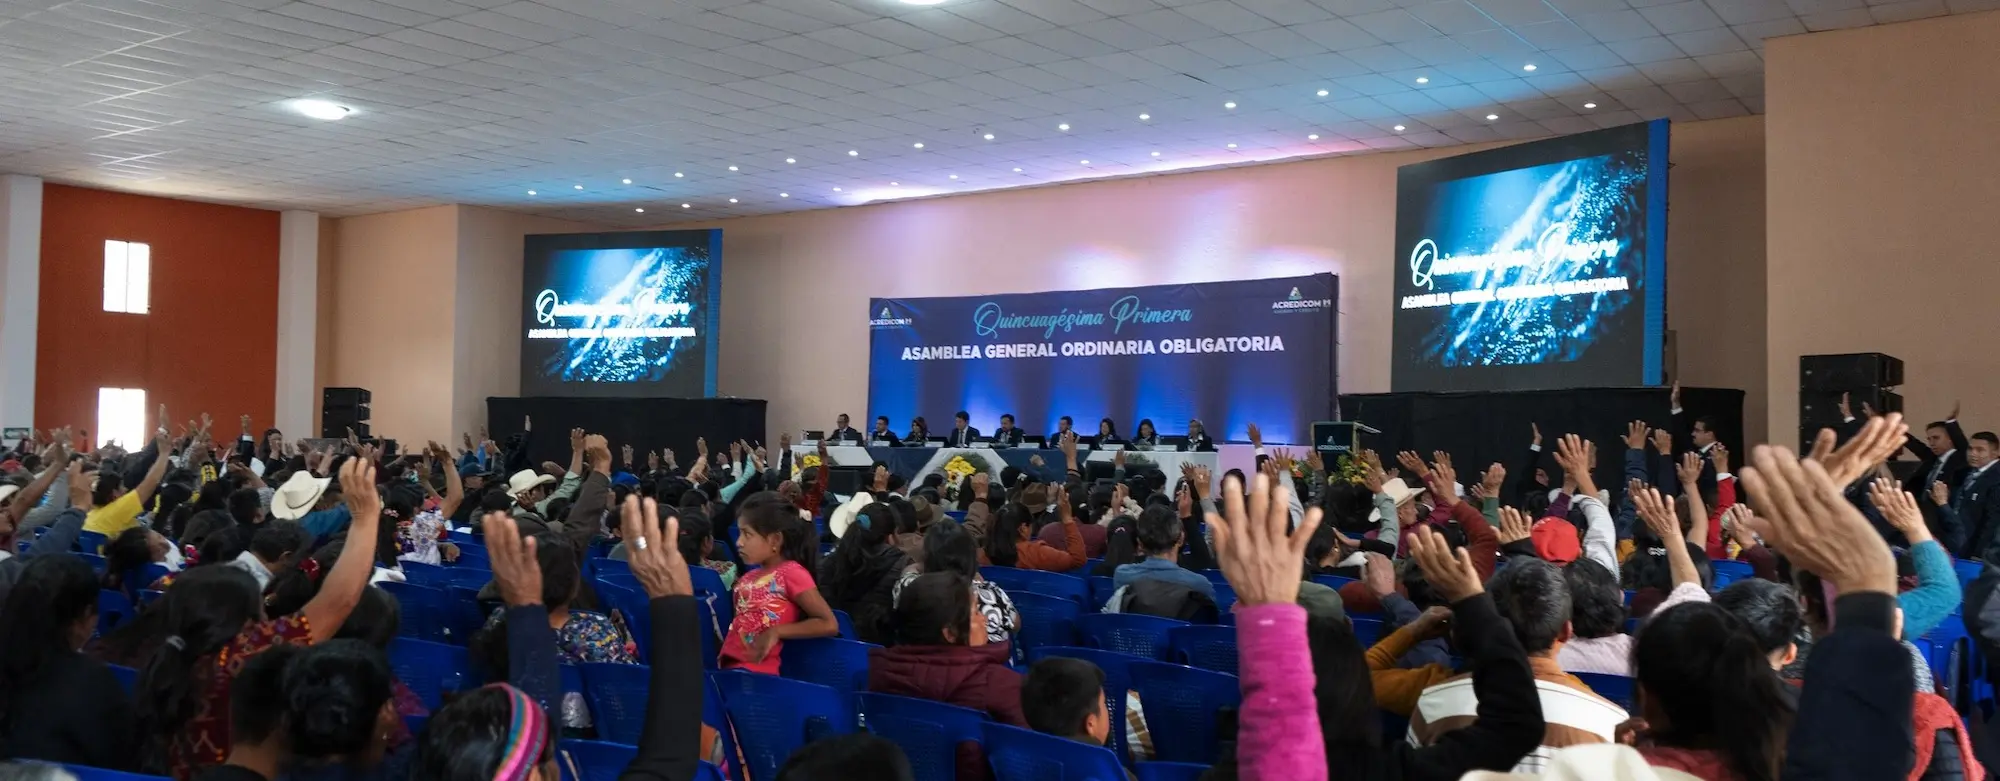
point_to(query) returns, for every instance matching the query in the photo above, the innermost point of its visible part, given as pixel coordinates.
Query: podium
(1339, 437)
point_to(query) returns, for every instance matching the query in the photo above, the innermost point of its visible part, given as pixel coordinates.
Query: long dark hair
(765, 512)
(1005, 533)
(949, 548)
(333, 693)
(1121, 546)
(1705, 684)
(206, 608)
(125, 556)
(53, 594)
(1345, 696)
(467, 739)
(931, 604)
(1145, 425)
(1102, 425)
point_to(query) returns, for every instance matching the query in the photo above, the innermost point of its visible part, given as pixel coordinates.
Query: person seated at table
(920, 432)
(1197, 439)
(1007, 435)
(882, 433)
(1107, 433)
(962, 433)
(842, 432)
(1147, 436)
(1063, 426)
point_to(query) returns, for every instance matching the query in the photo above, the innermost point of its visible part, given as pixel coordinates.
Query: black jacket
(1854, 717)
(1976, 509)
(886, 436)
(1008, 437)
(865, 590)
(961, 437)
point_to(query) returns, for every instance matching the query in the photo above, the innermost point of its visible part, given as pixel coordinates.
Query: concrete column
(298, 319)
(20, 296)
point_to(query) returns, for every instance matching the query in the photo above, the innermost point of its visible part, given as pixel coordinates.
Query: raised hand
(626, 451)
(1372, 476)
(1494, 477)
(1514, 526)
(1444, 482)
(80, 485)
(516, 571)
(357, 487)
(1674, 397)
(1118, 459)
(1261, 560)
(1719, 455)
(1537, 429)
(1658, 513)
(1737, 523)
(1378, 573)
(701, 449)
(1315, 461)
(1451, 576)
(1878, 439)
(1635, 435)
(1689, 470)
(1940, 493)
(654, 552)
(1899, 508)
(785, 441)
(1415, 464)
(1846, 412)
(1663, 442)
(1802, 512)
(1256, 436)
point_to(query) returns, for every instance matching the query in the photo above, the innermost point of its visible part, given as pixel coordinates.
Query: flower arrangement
(803, 462)
(957, 469)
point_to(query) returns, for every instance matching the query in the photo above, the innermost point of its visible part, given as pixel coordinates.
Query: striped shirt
(1574, 714)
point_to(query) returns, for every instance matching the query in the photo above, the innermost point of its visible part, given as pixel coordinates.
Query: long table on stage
(916, 463)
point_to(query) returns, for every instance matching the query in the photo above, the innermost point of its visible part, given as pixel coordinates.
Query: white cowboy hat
(524, 480)
(1597, 762)
(7, 492)
(298, 495)
(843, 516)
(1399, 491)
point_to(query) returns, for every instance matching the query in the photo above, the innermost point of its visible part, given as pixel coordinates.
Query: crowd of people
(263, 653)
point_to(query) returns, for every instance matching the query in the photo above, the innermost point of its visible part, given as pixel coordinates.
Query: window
(128, 272)
(121, 416)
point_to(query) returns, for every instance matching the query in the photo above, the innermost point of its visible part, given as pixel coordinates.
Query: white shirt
(248, 562)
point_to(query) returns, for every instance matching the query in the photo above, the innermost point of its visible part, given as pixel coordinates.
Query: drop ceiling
(819, 103)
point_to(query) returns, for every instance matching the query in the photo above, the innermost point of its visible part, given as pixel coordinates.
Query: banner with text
(1229, 354)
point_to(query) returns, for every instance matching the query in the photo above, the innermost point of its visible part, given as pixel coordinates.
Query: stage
(645, 424)
(916, 463)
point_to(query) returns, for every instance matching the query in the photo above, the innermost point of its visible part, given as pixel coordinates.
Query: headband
(527, 735)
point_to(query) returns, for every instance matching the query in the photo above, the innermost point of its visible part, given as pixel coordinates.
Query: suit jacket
(961, 437)
(1976, 510)
(843, 435)
(886, 436)
(1197, 442)
(1007, 437)
(1955, 466)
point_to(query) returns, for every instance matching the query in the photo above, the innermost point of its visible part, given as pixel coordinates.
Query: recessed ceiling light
(1083, 162)
(1145, 117)
(784, 195)
(989, 136)
(1590, 105)
(531, 192)
(732, 200)
(1399, 128)
(918, 145)
(1232, 146)
(922, 2)
(1423, 79)
(953, 176)
(1530, 67)
(321, 109)
(1313, 137)
(1323, 93)
(895, 184)
(628, 181)
(678, 174)
(1064, 126)
(578, 186)
(1491, 117)
(641, 211)
(684, 205)
(853, 153)
(1230, 104)
(1156, 154)
(790, 160)
(732, 168)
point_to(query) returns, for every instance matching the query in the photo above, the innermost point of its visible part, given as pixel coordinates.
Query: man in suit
(1007, 435)
(962, 435)
(842, 432)
(1063, 426)
(1975, 507)
(883, 434)
(1941, 456)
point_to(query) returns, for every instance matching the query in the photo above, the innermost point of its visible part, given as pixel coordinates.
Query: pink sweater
(1278, 737)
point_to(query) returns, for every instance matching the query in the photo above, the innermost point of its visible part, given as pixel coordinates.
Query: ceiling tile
(1617, 26)
(1450, 17)
(1393, 26)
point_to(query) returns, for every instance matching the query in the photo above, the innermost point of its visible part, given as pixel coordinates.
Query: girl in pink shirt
(778, 601)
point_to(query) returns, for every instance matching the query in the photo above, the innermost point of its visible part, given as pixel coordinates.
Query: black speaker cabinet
(1851, 371)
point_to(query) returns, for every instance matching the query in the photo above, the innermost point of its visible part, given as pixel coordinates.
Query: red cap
(1555, 541)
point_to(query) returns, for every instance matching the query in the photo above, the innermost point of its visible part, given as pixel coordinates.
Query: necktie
(1963, 489)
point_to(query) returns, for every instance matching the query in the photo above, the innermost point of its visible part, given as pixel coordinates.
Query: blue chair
(127, 677)
(638, 616)
(774, 716)
(846, 624)
(91, 543)
(712, 630)
(1332, 581)
(839, 664)
(113, 610)
(1169, 771)
(461, 617)
(1117, 681)
(571, 678)
(1182, 706)
(1141, 636)
(595, 760)
(474, 578)
(1225, 597)
(1045, 620)
(148, 596)
(430, 669)
(1616, 688)
(151, 574)
(715, 717)
(1729, 571)
(1215, 577)
(625, 580)
(611, 567)
(1055, 584)
(84, 773)
(422, 607)
(415, 724)
(707, 581)
(463, 539)
(928, 732)
(706, 772)
(1967, 569)
(474, 557)
(1204, 647)
(617, 697)
(1101, 589)
(95, 561)
(1022, 755)
(1367, 631)
(423, 574)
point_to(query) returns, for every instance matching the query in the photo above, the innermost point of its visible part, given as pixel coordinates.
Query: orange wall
(1883, 174)
(210, 341)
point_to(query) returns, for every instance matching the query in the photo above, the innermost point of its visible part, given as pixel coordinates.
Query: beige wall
(486, 359)
(395, 277)
(794, 283)
(1883, 176)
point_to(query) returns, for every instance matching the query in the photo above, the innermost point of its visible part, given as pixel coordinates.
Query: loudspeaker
(345, 397)
(1848, 372)
(342, 409)
(1821, 409)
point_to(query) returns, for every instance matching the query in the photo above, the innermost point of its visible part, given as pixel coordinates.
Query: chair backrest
(431, 669)
(706, 581)
(91, 543)
(149, 596)
(127, 677)
(1367, 631)
(149, 575)
(928, 732)
(617, 697)
(1117, 681)
(433, 575)
(474, 557)
(95, 561)
(1141, 636)
(632, 603)
(715, 717)
(846, 624)
(423, 607)
(611, 567)
(113, 610)
(1169, 771)
(774, 716)
(1055, 584)
(1045, 620)
(1101, 589)
(828, 661)
(1616, 688)
(85, 773)
(1215, 577)
(1332, 581)
(1017, 754)
(1225, 597)
(461, 618)
(1184, 708)
(1204, 647)
(1968, 570)
(595, 760)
